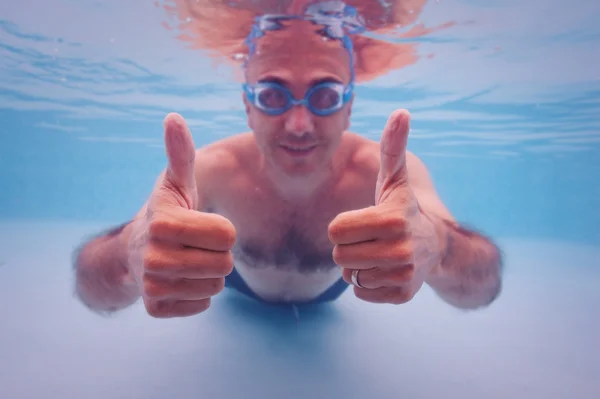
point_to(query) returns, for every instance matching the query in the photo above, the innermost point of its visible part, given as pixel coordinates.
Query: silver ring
(355, 278)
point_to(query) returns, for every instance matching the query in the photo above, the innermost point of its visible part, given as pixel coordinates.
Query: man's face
(298, 142)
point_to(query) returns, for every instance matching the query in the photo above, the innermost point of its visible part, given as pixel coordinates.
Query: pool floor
(539, 340)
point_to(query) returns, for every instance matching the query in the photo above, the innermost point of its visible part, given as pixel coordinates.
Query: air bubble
(239, 57)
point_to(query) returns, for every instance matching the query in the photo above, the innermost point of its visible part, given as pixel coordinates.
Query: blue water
(505, 108)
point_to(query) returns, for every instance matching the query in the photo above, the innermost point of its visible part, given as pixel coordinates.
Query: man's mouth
(299, 150)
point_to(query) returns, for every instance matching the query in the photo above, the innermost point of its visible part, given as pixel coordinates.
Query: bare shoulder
(221, 161)
(223, 153)
(366, 152)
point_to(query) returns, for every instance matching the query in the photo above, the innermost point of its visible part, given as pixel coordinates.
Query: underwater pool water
(505, 105)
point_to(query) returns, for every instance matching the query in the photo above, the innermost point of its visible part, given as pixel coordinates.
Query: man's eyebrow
(284, 82)
(272, 79)
(328, 79)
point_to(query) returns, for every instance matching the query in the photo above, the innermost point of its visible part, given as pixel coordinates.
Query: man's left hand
(393, 245)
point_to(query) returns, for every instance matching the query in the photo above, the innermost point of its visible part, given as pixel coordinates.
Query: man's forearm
(470, 273)
(103, 282)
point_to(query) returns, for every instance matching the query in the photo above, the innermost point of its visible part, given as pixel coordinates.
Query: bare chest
(283, 251)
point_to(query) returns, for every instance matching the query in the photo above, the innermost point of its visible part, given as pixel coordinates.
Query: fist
(387, 250)
(178, 255)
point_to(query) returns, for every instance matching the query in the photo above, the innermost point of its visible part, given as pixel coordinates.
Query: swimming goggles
(338, 20)
(274, 99)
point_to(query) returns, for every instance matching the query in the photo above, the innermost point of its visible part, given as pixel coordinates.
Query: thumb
(393, 143)
(181, 155)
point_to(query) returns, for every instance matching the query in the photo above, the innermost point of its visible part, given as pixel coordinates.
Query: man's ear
(349, 112)
(247, 110)
(246, 103)
(350, 105)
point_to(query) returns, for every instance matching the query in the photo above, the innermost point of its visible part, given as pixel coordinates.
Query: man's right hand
(178, 255)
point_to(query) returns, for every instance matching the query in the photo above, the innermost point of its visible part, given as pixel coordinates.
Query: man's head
(298, 95)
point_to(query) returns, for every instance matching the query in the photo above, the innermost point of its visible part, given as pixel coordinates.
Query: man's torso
(282, 248)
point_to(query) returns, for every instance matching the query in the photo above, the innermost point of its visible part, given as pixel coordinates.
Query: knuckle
(338, 255)
(152, 288)
(226, 266)
(227, 235)
(176, 230)
(164, 225)
(347, 276)
(409, 272)
(404, 252)
(395, 223)
(401, 296)
(159, 225)
(334, 231)
(156, 309)
(153, 310)
(360, 294)
(202, 305)
(230, 238)
(167, 309)
(216, 285)
(218, 265)
(152, 260)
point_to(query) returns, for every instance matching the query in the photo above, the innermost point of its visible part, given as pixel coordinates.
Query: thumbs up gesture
(178, 255)
(387, 250)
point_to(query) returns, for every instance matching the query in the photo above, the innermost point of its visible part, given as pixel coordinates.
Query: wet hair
(221, 28)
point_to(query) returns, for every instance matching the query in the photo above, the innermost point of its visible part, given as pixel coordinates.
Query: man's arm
(104, 282)
(102, 279)
(469, 275)
(470, 272)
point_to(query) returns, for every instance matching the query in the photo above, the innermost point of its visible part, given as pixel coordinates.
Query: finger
(193, 229)
(181, 153)
(189, 263)
(393, 143)
(364, 255)
(157, 288)
(367, 224)
(377, 277)
(390, 295)
(170, 308)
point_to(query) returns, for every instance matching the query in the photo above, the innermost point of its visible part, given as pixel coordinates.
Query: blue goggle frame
(253, 94)
(337, 20)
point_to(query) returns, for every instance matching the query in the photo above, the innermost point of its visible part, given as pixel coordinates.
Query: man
(300, 206)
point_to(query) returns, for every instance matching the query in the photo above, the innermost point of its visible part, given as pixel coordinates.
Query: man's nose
(299, 120)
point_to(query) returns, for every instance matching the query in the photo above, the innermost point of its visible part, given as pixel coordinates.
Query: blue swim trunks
(235, 281)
